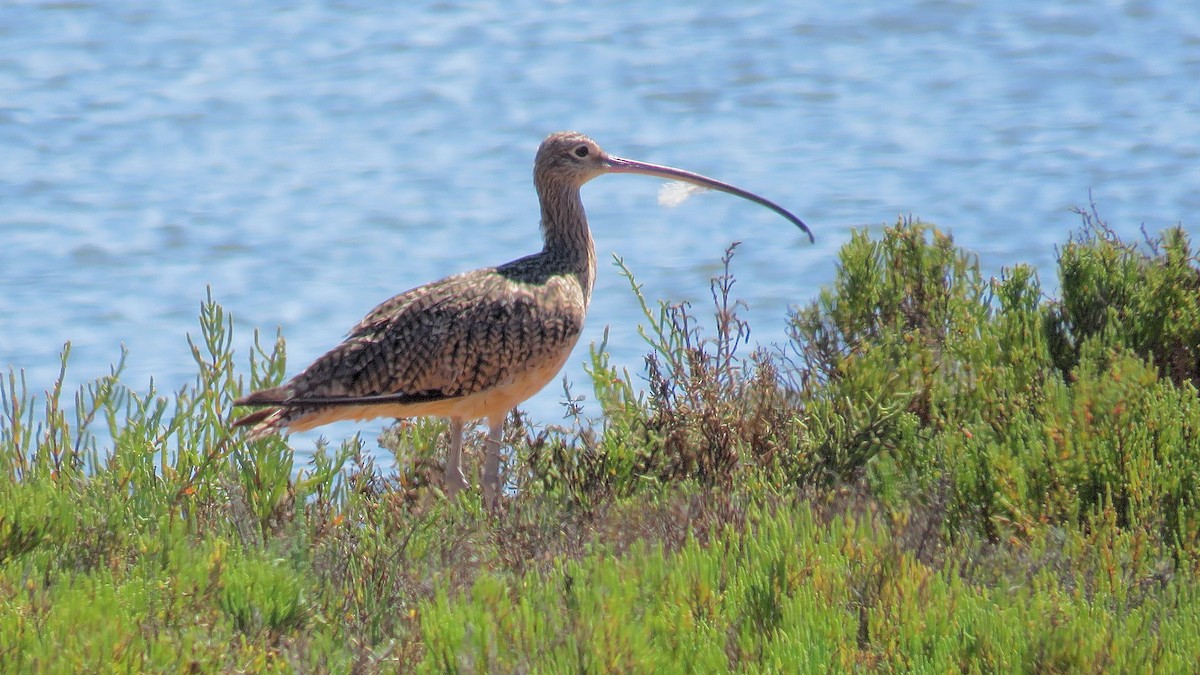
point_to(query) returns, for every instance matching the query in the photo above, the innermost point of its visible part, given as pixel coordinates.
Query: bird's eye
(581, 151)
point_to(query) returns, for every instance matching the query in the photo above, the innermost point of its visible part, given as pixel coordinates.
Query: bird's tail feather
(269, 420)
(263, 422)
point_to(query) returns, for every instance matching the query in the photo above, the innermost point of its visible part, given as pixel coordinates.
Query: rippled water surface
(307, 160)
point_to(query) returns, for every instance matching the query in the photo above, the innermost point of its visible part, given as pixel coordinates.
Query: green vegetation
(938, 472)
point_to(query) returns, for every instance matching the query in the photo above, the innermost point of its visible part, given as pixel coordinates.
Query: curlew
(474, 345)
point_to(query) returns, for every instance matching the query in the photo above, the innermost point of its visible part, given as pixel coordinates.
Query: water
(307, 160)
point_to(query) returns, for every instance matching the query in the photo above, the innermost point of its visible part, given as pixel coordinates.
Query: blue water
(307, 160)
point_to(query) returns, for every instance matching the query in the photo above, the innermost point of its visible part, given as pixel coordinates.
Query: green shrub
(939, 472)
(1149, 295)
(780, 589)
(909, 328)
(258, 593)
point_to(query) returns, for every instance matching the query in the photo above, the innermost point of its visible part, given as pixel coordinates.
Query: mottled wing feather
(451, 338)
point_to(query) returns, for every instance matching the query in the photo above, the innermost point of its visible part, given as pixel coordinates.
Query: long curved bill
(622, 165)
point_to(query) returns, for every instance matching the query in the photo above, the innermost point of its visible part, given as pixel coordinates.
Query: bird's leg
(455, 480)
(491, 462)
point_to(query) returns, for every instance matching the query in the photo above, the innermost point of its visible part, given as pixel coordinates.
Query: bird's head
(570, 159)
(567, 156)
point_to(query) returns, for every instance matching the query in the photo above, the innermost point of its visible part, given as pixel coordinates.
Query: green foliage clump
(1148, 297)
(990, 419)
(780, 588)
(261, 594)
(154, 553)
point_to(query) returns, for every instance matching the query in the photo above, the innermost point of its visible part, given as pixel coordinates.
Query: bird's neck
(568, 240)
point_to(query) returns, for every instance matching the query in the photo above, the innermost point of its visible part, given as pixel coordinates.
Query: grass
(937, 472)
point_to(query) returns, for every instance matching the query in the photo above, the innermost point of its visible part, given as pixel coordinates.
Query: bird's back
(429, 349)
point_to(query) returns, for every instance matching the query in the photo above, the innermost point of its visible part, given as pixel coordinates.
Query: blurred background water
(309, 159)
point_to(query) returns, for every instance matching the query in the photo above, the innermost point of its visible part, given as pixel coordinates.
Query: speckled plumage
(448, 339)
(473, 345)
